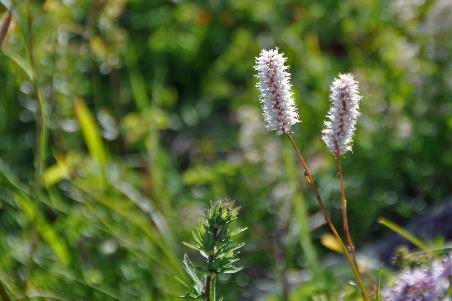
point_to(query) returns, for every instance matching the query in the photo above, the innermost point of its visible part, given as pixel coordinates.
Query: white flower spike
(275, 91)
(343, 114)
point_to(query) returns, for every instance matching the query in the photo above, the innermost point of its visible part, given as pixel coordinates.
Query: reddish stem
(348, 256)
(351, 246)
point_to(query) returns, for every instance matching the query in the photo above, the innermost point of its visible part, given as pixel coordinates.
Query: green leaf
(20, 62)
(127, 209)
(54, 174)
(238, 231)
(199, 286)
(136, 80)
(378, 293)
(31, 211)
(227, 248)
(404, 233)
(233, 270)
(191, 246)
(44, 229)
(204, 254)
(3, 292)
(182, 282)
(91, 133)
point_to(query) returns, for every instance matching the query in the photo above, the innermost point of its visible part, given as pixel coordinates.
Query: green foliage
(151, 111)
(214, 240)
(378, 291)
(197, 291)
(404, 233)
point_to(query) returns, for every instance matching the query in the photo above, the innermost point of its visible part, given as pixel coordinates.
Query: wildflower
(423, 284)
(275, 91)
(343, 114)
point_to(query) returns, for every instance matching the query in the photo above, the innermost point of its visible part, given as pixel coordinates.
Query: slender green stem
(214, 288)
(328, 220)
(41, 122)
(210, 290)
(208, 287)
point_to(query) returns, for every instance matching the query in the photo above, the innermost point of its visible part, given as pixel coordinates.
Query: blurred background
(121, 120)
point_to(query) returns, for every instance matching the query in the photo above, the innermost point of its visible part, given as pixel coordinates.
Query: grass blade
(379, 285)
(90, 133)
(404, 233)
(3, 293)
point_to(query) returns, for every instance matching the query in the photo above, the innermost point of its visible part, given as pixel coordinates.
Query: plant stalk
(208, 287)
(351, 246)
(328, 220)
(209, 293)
(41, 122)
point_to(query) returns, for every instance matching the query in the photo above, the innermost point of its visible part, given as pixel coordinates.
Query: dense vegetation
(121, 121)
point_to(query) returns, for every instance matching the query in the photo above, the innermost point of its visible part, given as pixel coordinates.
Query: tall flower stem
(351, 246)
(328, 220)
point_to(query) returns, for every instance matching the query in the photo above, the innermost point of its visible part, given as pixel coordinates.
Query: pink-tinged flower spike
(280, 115)
(343, 114)
(275, 91)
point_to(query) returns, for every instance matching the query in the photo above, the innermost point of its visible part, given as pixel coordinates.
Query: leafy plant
(214, 240)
